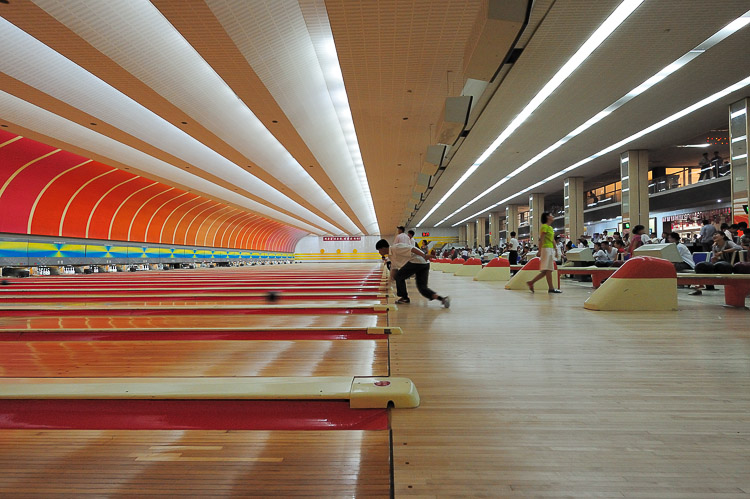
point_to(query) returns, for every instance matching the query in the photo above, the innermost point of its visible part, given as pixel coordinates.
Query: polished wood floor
(532, 396)
(188, 463)
(113, 359)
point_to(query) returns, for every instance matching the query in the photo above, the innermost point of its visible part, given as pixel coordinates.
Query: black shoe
(401, 301)
(697, 292)
(554, 291)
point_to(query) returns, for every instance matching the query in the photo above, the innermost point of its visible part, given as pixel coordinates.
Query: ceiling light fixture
(717, 37)
(595, 40)
(680, 114)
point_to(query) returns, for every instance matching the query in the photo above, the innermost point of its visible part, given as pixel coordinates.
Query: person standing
(716, 162)
(636, 241)
(546, 254)
(705, 165)
(706, 237)
(410, 262)
(513, 249)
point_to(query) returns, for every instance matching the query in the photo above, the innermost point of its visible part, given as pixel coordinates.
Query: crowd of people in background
(719, 238)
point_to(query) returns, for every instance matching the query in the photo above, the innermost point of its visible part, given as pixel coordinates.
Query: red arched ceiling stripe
(180, 229)
(231, 237)
(84, 201)
(102, 216)
(218, 230)
(192, 230)
(53, 192)
(207, 224)
(136, 229)
(168, 226)
(159, 216)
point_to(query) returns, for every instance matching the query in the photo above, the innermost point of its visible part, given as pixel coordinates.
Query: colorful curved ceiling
(48, 191)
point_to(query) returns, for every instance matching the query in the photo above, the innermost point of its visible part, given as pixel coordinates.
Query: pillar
(481, 231)
(495, 228)
(462, 236)
(738, 145)
(471, 232)
(634, 175)
(573, 201)
(511, 220)
(536, 208)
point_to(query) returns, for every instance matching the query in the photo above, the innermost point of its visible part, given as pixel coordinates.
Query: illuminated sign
(425, 234)
(342, 238)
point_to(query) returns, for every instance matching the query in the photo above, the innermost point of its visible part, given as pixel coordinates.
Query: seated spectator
(687, 258)
(599, 254)
(723, 248)
(610, 250)
(646, 238)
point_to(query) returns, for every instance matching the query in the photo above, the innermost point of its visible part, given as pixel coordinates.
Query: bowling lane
(81, 359)
(179, 295)
(191, 322)
(194, 463)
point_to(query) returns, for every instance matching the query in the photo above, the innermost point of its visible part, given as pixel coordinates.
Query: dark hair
(411, 233)
(705, 221)
(512, 234)
(604, 242)
(674, 236)
(637, 229)
(742, 226)
(401, 228)
(545, 216)
(724, 226)
(619, 241)
(382, 244)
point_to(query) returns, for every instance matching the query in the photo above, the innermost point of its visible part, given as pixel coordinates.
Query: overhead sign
(342, 238)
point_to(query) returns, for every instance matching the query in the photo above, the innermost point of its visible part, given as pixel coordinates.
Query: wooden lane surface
(235, 306)
(190, 322)
(82, 359)
(177, 294)
(530, 395)
(194, 463)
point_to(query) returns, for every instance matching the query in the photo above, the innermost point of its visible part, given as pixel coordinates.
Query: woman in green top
(546, 254)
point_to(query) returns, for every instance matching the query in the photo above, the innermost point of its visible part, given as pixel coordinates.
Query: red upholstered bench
(736, 286)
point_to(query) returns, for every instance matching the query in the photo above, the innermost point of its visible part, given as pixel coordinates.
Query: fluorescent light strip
(737, 114)
(738, 139)
(717, 37)
(595, 40)
(690, 109)
(741, 156)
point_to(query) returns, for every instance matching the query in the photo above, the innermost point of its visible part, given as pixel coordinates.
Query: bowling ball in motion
(5, 282)
(273, 296)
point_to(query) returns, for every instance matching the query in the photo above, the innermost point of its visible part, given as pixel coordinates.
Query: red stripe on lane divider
(270, 310)
(188, 415)
(189, 335)
(167, 297)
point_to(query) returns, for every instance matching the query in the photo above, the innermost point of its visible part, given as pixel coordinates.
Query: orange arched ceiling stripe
(46, 191)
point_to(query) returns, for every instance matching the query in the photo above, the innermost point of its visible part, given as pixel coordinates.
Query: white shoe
(446, 301)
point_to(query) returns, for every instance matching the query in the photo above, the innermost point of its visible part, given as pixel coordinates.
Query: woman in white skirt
(546, 254)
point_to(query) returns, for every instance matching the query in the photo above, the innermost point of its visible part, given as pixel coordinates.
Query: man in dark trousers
(410, 262)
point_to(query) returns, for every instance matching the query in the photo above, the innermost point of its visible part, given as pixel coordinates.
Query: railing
(688, 176)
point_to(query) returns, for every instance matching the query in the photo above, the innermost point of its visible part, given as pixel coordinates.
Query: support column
(738, 146)
(495, 228)
(511, 220)
(573, 200)
(634, 174)
(536, 208)
(471, 234)
(462, 236)
(481, 235)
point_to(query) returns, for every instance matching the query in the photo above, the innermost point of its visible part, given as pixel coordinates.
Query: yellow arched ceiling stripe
(161, 232)
(111, 222)
(204, 221)
(187, 231)
(41, 193)
(10, 141)
(15, 173)
(230, 224)
(70, 201)
(174, 233)
(228, 214)
(135, 215)
(148, 225)
(235, 224)
(101, 198)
